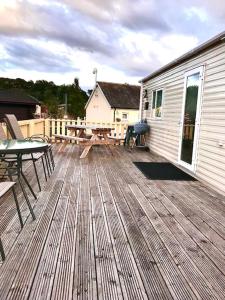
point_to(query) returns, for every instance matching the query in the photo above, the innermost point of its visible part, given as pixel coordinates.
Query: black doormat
(162, 171)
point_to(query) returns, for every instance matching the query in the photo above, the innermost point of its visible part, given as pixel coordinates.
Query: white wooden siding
(164, 135)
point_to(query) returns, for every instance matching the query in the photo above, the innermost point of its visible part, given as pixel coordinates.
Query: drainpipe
(114, 115)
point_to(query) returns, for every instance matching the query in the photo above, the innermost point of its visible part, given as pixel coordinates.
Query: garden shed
(17, 102)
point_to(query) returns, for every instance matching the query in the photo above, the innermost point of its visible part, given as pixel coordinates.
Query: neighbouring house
(14, 101)
(184, 104)
(113, 102)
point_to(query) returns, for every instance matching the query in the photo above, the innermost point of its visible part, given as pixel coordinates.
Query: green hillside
(51, 95)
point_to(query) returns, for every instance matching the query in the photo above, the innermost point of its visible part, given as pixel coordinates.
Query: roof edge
(19, 103)
(93, 91)
(192, 53)
(108, 82)
(89, 99)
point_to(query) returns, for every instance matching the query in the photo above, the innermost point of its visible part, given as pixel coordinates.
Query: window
(124, 116)
(146, 105)
(157, 99)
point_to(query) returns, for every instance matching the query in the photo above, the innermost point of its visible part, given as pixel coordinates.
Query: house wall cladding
(165, 133)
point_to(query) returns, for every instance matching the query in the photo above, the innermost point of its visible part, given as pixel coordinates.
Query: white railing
(57, 126)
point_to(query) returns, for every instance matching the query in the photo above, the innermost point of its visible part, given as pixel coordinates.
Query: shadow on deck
(104, 231)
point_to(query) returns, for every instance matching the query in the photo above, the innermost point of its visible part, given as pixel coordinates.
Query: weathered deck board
(63, 281)
(18, 259)
(104, 231)
(106, 267)
(44, 276)
(186, 266)
(125, 263)
(160, 255)
(23, 280)
(84, 273)
(177, 223)
(152, 278)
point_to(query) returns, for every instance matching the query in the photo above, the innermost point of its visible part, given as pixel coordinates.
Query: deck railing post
(30, 126)
(47, 127)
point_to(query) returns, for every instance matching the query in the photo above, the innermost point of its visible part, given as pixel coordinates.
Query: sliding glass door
(190, 118)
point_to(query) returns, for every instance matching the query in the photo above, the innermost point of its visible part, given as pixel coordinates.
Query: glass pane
(159, 104)
(159, 99)
(191, 99)
(153, 100)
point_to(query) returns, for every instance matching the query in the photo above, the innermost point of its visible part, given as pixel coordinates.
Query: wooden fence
(57, 126)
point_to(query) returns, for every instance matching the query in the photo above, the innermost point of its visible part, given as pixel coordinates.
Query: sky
(58, 40)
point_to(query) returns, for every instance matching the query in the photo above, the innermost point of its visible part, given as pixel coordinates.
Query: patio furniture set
(13, 154)
(99, 136)
(16, 151)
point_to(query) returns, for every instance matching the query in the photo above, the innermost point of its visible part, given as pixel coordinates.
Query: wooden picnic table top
(92, 127)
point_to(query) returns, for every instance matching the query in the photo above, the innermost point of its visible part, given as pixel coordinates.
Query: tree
(52, 95)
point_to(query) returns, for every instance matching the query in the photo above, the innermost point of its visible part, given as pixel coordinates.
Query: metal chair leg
(36, 173)
(46, 161)
(29, 186)
(27, 199)
(16, 200)
(17, 206)
(2, 250)
(49, 164)
(52, 158)
(43, 164)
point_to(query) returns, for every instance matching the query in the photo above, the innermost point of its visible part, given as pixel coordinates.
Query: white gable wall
(164, 136)
(98, 109)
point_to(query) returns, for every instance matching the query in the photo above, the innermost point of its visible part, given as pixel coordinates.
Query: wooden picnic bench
(100, 136)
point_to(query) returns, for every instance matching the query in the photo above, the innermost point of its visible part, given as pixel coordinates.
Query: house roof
(16, 96)
(121, 95)
(194, 52)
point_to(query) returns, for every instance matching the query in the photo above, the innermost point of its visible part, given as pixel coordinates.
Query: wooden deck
(103, 231)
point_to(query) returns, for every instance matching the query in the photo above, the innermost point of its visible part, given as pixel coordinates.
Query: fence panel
(58, 126)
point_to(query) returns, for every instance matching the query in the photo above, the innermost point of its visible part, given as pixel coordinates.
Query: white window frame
(125, 119)
(153, 116)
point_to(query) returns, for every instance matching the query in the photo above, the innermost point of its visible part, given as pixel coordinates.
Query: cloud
(53, 22)
(126, 37)
(154, 16)
(133, 15)
(143, 54)
(21, 54)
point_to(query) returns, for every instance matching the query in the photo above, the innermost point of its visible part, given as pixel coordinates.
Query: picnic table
(79, 130)
(99, 136)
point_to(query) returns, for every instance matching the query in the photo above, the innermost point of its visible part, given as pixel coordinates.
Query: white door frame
(191, 167)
